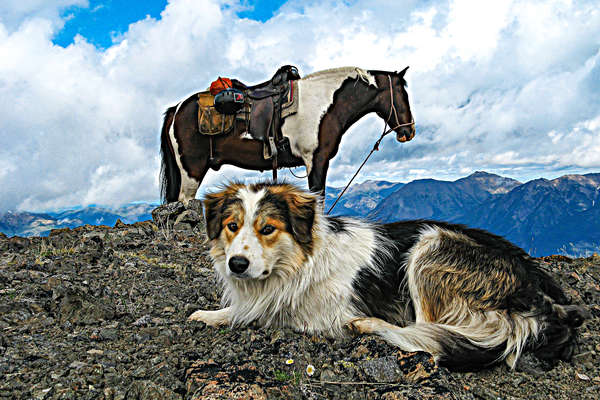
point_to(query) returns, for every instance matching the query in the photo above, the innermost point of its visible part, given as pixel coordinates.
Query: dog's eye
(267, 230)
(232, 226)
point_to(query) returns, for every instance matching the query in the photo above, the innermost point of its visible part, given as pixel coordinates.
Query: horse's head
(392, 103)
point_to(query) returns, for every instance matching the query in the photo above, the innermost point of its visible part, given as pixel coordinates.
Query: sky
(510, 87)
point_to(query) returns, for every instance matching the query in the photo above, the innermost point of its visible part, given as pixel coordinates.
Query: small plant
(282, 376)
(165, 229)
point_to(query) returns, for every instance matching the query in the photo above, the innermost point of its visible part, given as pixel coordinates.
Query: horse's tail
(170, 176)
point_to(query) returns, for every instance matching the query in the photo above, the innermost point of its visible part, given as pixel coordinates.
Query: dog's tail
(478, 340)
(483, 338)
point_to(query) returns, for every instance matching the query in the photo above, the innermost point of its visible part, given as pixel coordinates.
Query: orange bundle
(219, 85)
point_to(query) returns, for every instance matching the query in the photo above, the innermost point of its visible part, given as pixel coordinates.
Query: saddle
(265, 109)
(265, 106)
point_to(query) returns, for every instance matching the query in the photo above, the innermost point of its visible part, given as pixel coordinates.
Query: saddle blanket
(291, 106)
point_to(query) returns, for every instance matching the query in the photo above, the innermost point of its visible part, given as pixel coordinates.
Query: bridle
(395, 112)
(376, 146)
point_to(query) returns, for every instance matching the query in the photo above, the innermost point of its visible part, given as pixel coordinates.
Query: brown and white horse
(330, 102)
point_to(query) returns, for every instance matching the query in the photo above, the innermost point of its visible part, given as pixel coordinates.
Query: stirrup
(270, 150)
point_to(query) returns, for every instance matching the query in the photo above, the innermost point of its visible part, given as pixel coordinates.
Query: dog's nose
(238, 264)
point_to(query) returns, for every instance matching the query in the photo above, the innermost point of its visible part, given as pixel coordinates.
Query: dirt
(100, 313)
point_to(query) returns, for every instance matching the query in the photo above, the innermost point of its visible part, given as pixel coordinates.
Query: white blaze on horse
(329, 102)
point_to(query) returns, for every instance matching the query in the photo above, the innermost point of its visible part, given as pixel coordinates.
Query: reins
(376, 145)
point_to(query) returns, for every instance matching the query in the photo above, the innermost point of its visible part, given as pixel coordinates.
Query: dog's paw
(362, 325)
(210, 318)
(204, 316)
(197, 316)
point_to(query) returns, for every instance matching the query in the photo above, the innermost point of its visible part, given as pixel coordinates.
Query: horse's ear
(215, 205)
(401, 73)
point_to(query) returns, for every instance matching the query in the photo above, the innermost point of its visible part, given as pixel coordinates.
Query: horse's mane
(350, 72)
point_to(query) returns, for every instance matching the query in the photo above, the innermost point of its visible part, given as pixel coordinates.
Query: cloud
(14, 13)
(510, 87)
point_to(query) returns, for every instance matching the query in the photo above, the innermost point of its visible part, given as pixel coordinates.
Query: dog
(468, 297)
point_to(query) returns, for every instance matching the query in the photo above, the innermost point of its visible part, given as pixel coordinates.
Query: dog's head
(260, 229)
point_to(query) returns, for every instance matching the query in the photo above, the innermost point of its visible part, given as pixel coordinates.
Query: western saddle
(265, 107)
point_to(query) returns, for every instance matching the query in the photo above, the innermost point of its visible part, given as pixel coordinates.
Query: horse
(329, 102)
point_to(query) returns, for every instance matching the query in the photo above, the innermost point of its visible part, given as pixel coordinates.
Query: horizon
(109, 207)
(510, 88)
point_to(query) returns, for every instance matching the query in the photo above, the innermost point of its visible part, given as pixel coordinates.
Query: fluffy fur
(466, 296)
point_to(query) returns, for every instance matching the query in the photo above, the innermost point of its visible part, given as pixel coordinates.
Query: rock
(108, 334)
(165, 215)
(18, 243)
(383, 369)
(187, 220)
(42, 394)
(80, 309)
(147, 390)
(195, 205)
(143, 321)
(584, 357)
(77, 365)
(62, 238)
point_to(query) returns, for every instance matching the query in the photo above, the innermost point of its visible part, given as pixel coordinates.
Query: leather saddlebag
(229, 101)
(211, 122)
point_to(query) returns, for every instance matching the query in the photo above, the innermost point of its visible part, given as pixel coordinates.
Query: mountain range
(40, 224)
(558, 216)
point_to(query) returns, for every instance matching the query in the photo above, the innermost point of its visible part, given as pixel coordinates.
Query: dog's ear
(213, 204)
(302, 207)
(214, 207)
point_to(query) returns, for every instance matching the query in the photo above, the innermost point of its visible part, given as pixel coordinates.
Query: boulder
(164, 216)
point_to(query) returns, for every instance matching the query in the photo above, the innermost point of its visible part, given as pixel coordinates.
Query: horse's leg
(189, 187)
(318, 174)
(191, 183)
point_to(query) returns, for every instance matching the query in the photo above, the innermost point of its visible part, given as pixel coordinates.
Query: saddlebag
(229, 101)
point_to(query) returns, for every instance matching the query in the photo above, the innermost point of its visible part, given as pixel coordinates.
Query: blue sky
(510, 87)
(103, 20)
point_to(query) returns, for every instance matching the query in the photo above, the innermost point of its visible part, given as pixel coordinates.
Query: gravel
(100, 313)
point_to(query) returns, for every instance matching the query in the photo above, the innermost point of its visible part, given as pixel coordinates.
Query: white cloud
(508, 86)
(14, 13)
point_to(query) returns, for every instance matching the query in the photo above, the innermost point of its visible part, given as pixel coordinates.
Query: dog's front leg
(368, 325)
(212, 318)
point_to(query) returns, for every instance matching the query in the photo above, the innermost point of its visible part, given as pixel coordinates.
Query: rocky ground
(100, 313)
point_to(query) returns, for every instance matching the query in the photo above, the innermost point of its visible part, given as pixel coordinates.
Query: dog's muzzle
(238, 264)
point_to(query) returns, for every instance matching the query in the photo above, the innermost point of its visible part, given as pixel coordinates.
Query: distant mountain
(40, 224)
(441, 200)
(360, 199)
(559, 216)
(545, 216)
